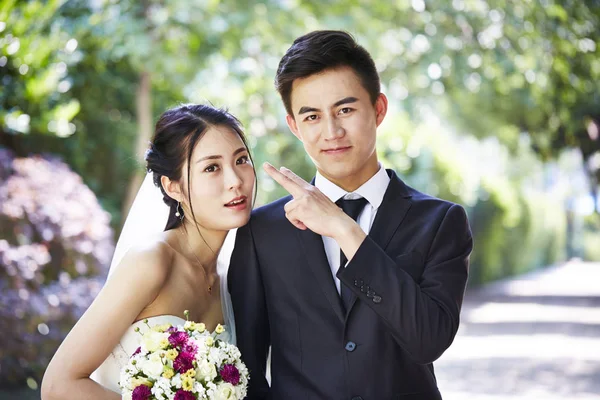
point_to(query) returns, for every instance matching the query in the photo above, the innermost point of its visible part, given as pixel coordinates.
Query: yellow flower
(189, 325)
(210, 341)
(220, 329)
(135, 382)
(172, 354)
(187, 383)
(190, 373)
(164, 343)
(168, 372)
(200, 327)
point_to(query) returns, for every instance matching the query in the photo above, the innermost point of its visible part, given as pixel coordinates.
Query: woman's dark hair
(318, 51)
(176, 134)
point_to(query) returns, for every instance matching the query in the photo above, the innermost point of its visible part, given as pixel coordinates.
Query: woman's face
(222, 180)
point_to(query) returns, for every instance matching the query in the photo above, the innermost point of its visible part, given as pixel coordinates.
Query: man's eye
(345, 110)
(311, 118)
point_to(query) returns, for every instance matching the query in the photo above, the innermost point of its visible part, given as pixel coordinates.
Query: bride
(200, 161)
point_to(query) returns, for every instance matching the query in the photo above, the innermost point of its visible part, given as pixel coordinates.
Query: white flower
(152, 367)
(151, 340)
(216, 356)
(199, 389)
(225, 391)
(206, 371)
(176, 381)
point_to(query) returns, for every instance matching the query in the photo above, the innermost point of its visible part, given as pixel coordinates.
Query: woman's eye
(243, 160)
(211, 168)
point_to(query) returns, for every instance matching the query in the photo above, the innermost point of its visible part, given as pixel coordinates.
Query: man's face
(334, 118)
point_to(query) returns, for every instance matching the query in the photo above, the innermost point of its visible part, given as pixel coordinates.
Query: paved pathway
(532, 337)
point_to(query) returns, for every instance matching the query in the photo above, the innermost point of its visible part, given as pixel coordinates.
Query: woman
(200, 161)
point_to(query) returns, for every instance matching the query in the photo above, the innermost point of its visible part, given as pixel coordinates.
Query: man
(368, 321)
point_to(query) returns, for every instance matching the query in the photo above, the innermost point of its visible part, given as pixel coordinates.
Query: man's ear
(381, 107)
(291, 123)
(172, 188)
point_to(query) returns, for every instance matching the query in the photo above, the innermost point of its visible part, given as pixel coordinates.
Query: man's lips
(336, 150)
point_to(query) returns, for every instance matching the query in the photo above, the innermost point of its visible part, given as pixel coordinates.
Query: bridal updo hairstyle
(177, 132)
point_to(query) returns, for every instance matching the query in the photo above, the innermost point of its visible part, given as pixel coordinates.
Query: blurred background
(494, 104)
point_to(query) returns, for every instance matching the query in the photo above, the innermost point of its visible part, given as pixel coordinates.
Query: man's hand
(311, 209)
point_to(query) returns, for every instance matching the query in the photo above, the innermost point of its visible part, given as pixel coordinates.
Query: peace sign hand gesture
(311, 209)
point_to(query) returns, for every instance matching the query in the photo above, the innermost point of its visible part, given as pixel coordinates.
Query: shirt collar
(373, 190)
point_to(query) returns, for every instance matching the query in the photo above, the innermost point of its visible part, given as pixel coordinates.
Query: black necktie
(353, 209)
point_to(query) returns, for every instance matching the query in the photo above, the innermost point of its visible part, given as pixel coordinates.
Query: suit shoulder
(431, 202)
(271, 210)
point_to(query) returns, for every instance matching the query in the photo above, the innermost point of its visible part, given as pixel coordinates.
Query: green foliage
(519, 74)
(591, 238)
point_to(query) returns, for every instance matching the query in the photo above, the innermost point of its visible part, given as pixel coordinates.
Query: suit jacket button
(370, 293)
(376, 299)
(356, 283)
(350, 346)
(362, 289)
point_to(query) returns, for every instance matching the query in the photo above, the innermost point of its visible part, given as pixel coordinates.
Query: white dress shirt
(373, 190)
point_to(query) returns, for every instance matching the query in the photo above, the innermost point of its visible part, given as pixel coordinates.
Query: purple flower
(137, 351)
(190, 347)
(141, 392)
(230, 374)
(183, 362)
(172, 329)
(178, 339)
(184, 395)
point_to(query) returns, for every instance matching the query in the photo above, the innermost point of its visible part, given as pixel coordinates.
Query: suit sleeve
(250, 310)
(422, 316)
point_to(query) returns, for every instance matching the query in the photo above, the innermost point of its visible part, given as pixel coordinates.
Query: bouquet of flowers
(184, 363)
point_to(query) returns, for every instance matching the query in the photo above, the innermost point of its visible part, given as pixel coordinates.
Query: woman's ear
(172, 188)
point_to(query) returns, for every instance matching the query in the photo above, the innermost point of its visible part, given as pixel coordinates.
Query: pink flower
(230, 374)
(137, 351)
(141, 392)
(178, 339)
(183, 395)
(183, 362)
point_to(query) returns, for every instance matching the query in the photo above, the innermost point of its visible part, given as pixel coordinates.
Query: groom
(356, 280)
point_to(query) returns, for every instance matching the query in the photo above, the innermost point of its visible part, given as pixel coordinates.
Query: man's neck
(353, 182)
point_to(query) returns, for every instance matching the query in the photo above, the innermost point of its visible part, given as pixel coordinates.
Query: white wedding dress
(108, 372)
(147, 217)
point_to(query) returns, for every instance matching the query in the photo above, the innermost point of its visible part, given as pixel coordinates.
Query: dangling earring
(179, 214)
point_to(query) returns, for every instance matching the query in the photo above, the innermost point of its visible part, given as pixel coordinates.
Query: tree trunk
(143, 105)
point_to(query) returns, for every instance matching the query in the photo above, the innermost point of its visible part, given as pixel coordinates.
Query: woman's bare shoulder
(152, 256)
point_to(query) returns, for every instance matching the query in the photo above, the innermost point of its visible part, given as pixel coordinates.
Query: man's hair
(319, 51)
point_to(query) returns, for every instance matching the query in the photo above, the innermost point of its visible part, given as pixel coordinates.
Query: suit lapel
(317, 260)
(396, 203)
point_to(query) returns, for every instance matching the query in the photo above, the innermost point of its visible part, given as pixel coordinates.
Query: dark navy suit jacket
(408, 279)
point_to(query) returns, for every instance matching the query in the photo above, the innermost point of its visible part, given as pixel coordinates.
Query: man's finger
(292, 187)
(292, 175)
(296, 222)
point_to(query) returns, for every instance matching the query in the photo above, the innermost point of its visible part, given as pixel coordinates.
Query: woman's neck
(201, 244)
